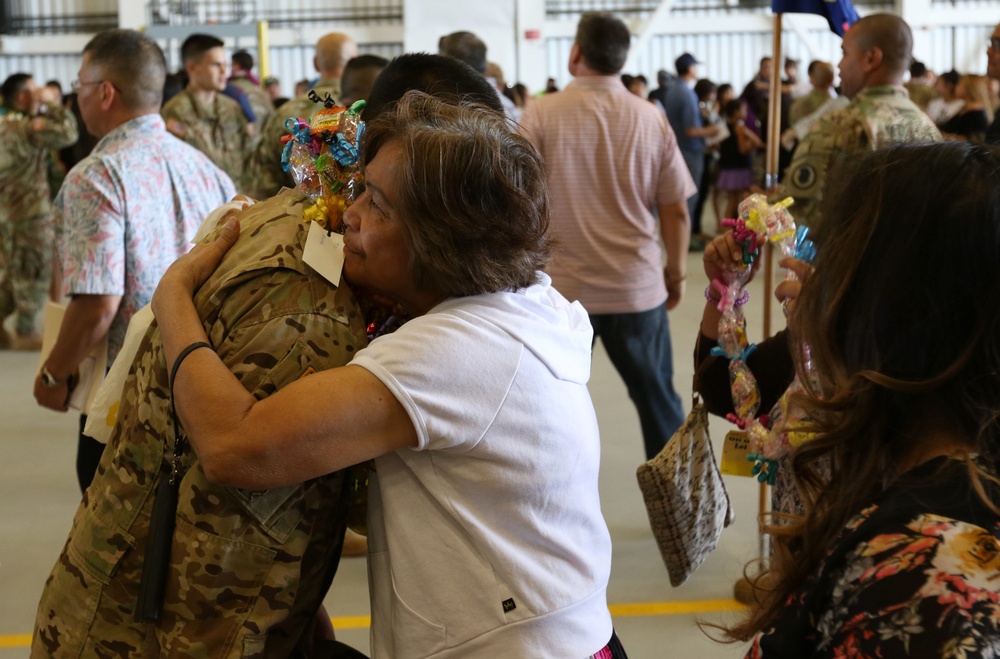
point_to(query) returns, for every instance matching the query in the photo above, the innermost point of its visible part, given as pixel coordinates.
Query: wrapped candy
(769, 437)
(746, 394)
(322, 155)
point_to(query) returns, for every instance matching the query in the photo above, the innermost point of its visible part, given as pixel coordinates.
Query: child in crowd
(736, 156)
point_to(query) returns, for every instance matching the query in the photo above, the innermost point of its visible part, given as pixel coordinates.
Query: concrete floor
(38, 496)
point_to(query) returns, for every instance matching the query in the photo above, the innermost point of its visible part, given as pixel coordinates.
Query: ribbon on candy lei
(757, 224)
(322, 155)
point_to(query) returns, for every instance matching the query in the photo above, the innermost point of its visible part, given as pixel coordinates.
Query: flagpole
(773, 146)
(771, 183)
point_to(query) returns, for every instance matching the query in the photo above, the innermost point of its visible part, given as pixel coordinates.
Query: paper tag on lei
(324, 253)
(734, 454)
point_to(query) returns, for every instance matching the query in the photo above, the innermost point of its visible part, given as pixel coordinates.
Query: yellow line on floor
(617, 610)
(674, 608)
(352, 622)
(16, 641)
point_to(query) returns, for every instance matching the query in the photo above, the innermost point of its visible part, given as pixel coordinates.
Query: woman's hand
(788, 291)
(190, 271)
(722, 255)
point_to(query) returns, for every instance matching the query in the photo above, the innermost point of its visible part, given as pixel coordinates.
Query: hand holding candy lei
(757, 224)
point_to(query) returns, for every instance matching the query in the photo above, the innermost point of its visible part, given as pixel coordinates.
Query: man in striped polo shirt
(613, 165)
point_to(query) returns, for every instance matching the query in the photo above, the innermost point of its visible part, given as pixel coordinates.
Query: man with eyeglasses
(123, 214)
(202, 115)
(32, 124)
(993, 72)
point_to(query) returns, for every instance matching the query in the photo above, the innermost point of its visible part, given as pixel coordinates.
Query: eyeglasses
(77, 84)
(993, 42)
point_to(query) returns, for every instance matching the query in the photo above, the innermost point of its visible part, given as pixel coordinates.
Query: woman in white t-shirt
(486, 534)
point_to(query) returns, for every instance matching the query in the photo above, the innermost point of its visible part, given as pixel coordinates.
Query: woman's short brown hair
(471, 195)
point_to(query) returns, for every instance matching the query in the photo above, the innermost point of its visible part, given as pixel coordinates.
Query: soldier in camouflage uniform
(877, 52)
(203, 117)
(821, 79)
(266, 176)
(920, 86)
(260, 100)
(27, 137)
(248, 570)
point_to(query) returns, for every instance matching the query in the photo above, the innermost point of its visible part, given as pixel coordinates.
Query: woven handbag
(685, 497)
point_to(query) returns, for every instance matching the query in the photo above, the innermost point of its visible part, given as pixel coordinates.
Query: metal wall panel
(63, 68)
(969, 47)
(62, 16)
(735, 58)
(732, 58)
(278, 12)
(293, 63)
(287, 63)
(727, 57)
(965, 4)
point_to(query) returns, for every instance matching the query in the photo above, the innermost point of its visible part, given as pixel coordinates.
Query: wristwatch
(50, 380)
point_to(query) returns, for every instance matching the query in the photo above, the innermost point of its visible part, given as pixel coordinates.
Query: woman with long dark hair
(897, 551)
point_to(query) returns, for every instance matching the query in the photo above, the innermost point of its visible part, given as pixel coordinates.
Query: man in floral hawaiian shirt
(124, 213)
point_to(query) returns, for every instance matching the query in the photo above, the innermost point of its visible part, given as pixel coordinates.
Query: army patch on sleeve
(804, 177)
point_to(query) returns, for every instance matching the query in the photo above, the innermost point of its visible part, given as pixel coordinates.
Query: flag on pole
(840, 14)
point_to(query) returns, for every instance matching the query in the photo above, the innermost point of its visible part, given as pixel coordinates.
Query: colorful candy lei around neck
(322, 155)
(757, 224)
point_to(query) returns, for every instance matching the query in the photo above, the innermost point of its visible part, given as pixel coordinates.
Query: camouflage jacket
(248, 569)
(920, 94)
(25, 145)
(805, 105)
(876, 117)
(266, 175)
(220, 131)
(259, 99)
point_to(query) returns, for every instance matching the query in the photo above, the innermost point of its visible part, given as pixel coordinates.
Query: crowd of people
(730, 137)
(269, 405)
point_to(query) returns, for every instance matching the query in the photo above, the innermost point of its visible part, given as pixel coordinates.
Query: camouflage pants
(25, 270)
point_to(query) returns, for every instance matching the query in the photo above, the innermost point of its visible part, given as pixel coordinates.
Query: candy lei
(322, 155)
(758, 223)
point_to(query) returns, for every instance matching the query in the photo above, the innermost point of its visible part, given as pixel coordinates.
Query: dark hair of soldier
(196, 45)
(242, 59)
(437, 75)
(358, 75)
(13, 86)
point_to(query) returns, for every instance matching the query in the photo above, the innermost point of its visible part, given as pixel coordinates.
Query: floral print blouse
(915, 574)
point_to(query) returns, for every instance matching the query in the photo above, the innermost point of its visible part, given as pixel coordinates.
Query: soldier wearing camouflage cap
(877, 53)
(32, 124)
